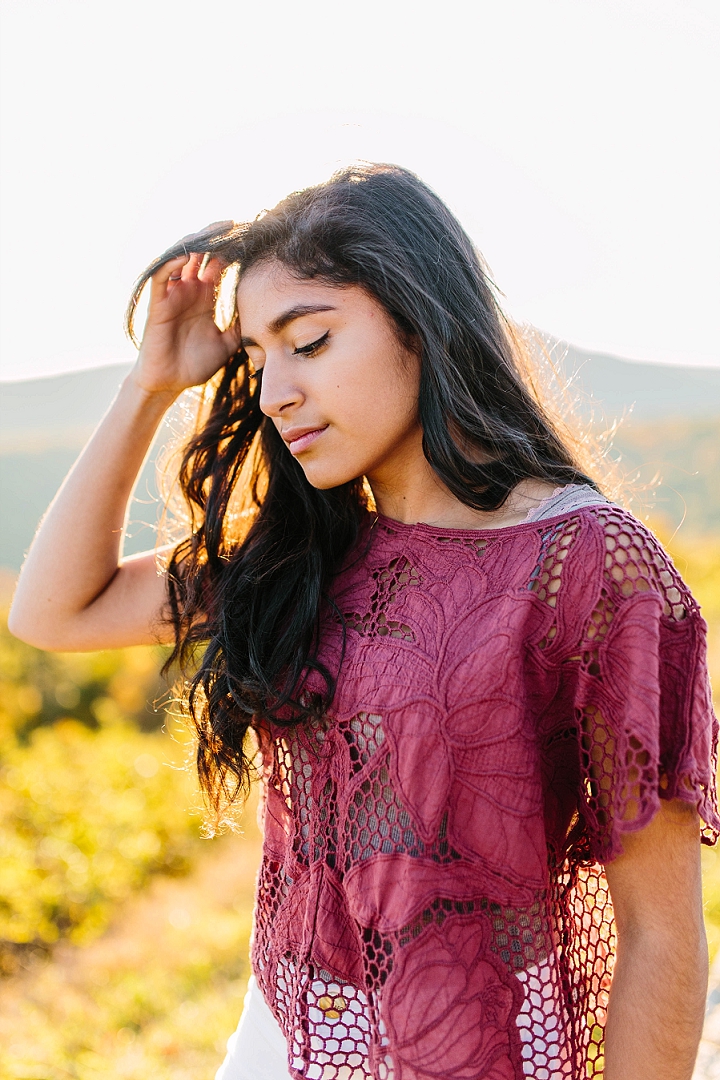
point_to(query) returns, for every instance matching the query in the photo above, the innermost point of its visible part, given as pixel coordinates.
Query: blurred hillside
(670, 429)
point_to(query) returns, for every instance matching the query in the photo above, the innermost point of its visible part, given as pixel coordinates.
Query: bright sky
(576, 139)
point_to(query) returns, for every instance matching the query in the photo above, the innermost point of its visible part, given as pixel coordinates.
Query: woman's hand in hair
(182, 344)
(76, 591)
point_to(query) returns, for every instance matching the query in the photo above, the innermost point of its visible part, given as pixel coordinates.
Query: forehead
(269, 288)
(268, 293)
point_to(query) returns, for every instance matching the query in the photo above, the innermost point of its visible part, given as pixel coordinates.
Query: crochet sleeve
(643, 710)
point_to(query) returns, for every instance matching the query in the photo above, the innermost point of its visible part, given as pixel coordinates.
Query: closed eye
(313, 347)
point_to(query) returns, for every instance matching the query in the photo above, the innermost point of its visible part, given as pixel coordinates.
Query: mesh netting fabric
(432, 901)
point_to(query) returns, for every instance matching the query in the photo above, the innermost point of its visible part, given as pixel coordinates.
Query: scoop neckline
(520, 526)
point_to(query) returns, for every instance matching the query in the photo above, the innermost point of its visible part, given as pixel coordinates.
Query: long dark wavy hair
(247, 587)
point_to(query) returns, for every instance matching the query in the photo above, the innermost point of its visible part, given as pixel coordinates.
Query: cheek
(393, 397)
(370, 421)
(377, 410)
(383, 387)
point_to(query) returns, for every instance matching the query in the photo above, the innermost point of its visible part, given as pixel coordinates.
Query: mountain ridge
(670, 425)
(62, 410)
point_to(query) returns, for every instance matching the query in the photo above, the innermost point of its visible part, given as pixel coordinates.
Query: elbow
(16, 623)
(39, 633)
(24, 632)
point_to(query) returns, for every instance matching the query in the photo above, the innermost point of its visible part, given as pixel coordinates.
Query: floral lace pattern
(431, 902)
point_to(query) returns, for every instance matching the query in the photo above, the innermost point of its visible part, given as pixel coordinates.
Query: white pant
(257, 1049)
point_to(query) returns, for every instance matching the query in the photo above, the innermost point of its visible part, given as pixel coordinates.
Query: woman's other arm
(74, 592)
(657, 1000)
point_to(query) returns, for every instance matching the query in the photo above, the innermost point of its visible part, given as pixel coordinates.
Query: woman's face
(337, 382)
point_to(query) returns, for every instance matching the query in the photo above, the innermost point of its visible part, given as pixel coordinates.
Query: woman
(477, 686)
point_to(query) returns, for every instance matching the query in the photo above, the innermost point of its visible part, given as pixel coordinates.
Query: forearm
(656, 1009)
(657, 999)
(75, 553)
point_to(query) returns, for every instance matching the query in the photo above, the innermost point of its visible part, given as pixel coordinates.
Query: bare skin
(347, 408)
(657, 1002)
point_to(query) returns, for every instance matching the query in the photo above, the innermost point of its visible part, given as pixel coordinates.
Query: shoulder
(631, 561)
(598, 566)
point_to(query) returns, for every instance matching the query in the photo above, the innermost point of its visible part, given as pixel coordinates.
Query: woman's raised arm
(74, 592)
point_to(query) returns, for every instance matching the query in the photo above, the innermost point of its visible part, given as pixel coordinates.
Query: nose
(279, 391)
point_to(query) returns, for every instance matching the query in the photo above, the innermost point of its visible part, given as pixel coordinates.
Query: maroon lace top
(431, 902)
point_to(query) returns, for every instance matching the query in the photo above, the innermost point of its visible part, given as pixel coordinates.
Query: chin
(325, 478)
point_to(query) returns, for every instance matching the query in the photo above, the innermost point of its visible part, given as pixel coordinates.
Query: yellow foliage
(85, 818)
(93, 798)
(38, 688)
(153, 999)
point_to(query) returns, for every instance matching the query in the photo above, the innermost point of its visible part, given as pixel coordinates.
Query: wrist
(155, 397)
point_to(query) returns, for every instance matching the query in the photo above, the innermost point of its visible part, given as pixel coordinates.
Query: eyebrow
(287, 317)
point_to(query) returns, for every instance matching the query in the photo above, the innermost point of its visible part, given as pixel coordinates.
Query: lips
(299, 439)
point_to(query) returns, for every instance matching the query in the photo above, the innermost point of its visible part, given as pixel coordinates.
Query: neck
(408, 490)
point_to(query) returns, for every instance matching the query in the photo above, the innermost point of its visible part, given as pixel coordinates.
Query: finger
(172, 269)
(211, 270)
(192, 266)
